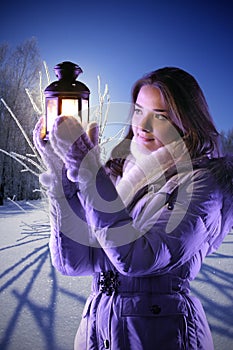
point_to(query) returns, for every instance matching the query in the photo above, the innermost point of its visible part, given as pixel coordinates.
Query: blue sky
(121, 40)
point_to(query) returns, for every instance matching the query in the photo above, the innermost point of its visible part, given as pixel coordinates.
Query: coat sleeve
(164, 239)
(73, 248)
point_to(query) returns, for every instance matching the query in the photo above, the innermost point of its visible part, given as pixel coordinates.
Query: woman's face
(150, 124)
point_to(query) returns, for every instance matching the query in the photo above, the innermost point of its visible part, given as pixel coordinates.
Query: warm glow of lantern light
(69, 107)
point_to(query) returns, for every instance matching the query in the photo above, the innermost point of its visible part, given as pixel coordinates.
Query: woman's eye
(138, 111)
(160, 116)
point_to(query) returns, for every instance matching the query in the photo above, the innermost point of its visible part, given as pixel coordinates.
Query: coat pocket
(154, 322)
(152, 305)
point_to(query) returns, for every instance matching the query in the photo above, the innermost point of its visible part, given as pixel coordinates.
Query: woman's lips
(145, 139)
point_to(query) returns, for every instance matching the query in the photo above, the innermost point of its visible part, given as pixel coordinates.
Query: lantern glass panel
(69, 107)
(85, 111)
(52, 110)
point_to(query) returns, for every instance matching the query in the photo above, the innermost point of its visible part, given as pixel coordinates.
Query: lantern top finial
(67, 71)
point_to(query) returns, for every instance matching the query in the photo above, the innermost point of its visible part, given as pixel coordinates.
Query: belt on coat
(110, 282)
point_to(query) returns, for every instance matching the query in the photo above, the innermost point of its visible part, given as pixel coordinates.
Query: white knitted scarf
(143, 167)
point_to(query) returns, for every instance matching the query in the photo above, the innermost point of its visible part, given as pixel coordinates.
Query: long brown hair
(188, 112)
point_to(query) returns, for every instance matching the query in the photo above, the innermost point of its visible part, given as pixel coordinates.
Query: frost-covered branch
(36, 109)
(102, 117)
(117, 136)
(29, 160)
(16, 157)
(47, 73)
(40, 111)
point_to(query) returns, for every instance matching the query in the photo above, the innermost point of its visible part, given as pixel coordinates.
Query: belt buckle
(108, 282)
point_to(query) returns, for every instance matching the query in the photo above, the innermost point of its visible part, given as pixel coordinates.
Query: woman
(142, 224)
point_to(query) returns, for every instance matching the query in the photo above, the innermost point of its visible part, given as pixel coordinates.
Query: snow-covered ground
(41, 309)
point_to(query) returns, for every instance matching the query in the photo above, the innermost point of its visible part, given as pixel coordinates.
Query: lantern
(67, 96)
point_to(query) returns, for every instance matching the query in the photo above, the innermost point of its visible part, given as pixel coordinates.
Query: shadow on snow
(214, 287)
(30, 280)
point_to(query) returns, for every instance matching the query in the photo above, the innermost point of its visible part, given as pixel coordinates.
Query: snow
(41, 309)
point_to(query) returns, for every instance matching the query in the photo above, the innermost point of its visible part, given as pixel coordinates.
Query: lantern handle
(67, 70)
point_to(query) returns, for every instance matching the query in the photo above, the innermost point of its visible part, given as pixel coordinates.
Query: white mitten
(54, 179)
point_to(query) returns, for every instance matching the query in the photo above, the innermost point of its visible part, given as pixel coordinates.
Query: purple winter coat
(140, 297)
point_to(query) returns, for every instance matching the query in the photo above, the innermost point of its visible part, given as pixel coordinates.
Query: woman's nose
(146, 123)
